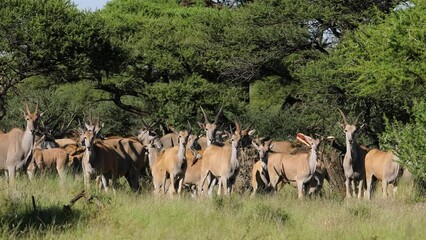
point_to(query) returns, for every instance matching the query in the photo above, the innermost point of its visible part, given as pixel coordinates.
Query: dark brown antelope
(99, 159)
(354, 160)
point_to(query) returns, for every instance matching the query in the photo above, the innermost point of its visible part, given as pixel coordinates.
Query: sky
(90, 4)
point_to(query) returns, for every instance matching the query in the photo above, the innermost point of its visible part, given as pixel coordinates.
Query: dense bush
(409, 141)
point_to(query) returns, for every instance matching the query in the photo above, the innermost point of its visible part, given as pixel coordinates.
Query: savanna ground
(126, 215)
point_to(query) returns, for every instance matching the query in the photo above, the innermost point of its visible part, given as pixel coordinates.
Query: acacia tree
(51, 39)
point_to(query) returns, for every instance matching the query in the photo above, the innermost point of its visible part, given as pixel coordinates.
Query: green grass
(126, 215)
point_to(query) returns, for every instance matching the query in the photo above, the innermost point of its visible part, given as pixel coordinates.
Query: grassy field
(126, 215)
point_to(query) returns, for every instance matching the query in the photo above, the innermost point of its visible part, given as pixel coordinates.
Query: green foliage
(179, 102)
(378, 69)
(409, 141)
(42, 37)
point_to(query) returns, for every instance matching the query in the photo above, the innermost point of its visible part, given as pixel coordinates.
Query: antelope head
(236, 137)
(192, 141)
(89, 135)
(31, 118)
(183, 137)
(147, 135)
(308, 141)
(209, 127)
(349, 129)
(246, 136)
(263, 148)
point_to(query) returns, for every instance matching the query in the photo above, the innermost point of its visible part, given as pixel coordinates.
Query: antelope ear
(255, 145)
(201, 125)
(251, 132)
(23, 112)
(271, 146)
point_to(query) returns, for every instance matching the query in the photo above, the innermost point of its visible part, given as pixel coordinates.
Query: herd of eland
(199, 162)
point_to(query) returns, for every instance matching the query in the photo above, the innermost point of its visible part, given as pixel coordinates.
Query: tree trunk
(332, 159)
(2, 107)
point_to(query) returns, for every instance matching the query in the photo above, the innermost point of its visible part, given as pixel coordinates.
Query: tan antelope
(175, 162)
(260, 176)
(75, 157)
(354, 160)
(222, 162)
(156, 163)
(16, 145)
(194, 159)
(281, 146)
(63, 142)
(99, 159)
(299, 167)
(384, 167)
(192, 178)
(193, 166)
(210, 128)
(48, 158)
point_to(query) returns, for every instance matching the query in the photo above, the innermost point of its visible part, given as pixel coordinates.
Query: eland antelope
(384, 167)
(99, 159)
(16, 145)
(222, 162)
(299, 167)
(354, 160)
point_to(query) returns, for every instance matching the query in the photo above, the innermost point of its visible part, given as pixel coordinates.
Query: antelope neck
(234, 154)
(313, 159)
(27, 140)
(182, 151)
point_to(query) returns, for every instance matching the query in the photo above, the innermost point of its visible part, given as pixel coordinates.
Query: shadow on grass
(18, 221)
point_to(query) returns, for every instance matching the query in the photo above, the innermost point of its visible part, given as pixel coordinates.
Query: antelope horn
(97, 121)
(218, 114)
(344, 117)
(206, 119)
(189, 126)
(237, 126)
(251, 125)
(145, 124)
(90, 119)
(27, 108)
(357, 118)
(36, 109)
(154, 123)
(255, 145)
